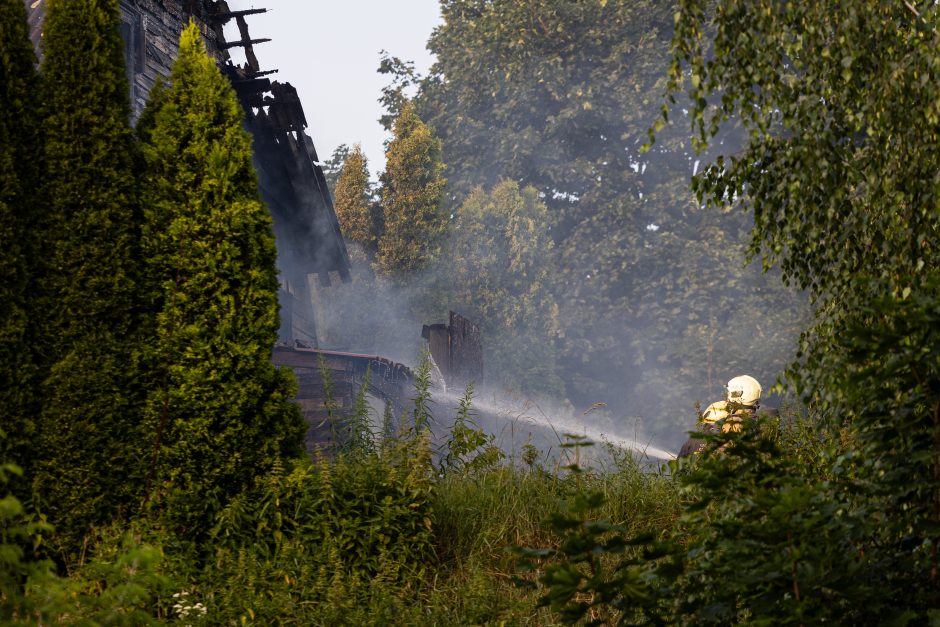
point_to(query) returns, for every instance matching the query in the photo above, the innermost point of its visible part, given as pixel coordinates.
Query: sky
(329, 51)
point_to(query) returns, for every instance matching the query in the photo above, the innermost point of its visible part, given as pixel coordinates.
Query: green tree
(500, 272)
(412, 190)
(353, 200)
(90, 459)
(334, 165)
(220, 412)
(479, 249)
(394, 97)
(559, 94)
(20, 180)
(840, 104)
(529, 279)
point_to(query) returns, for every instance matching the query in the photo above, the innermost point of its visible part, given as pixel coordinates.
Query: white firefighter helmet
(744, 390)
(715, 412)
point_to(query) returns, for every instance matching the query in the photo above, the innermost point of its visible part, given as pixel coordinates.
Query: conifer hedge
(19, 180)
(218, 413)
(89, 467)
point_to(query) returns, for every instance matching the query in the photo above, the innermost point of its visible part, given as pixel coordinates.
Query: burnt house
(292, 184)
(311, 249)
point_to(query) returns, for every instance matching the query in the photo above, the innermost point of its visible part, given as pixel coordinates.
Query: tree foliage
(355, 209)
(839, 162)
(412, 191)
(333, 166)
(836, 521)
(499, 273)
(219, 411)
(20, 181)
(395, 96)
(115, 585)
(90, 464)
(839, 101)
(651, 287)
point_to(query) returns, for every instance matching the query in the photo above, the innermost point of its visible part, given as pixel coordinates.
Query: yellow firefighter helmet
(715, 412)
(745, 391)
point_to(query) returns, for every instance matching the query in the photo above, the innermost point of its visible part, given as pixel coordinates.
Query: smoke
(372, 314)
(376, 315)
(656, 308)
(667, 342)
(649, 371)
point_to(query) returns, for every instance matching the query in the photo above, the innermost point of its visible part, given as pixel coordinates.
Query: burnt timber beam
(244, 43)
(250, 55)
(262, 73)
(225, 17)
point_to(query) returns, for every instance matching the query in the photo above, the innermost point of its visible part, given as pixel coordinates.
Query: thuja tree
(412, 190)
(20, 156)
(89, 460)
(841, 104)
(353, 200)
(220, 412)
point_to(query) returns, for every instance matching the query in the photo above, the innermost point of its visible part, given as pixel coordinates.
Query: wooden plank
(466, 350)
(309, 360)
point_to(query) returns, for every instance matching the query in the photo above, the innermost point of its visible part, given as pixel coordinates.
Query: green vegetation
(333, 167)
(19, 202)
(355, 208)
(655, 304)
(501, 275)
(414, 222)
(167, 480)
(90, 460)
(839, 171)
(218, 413)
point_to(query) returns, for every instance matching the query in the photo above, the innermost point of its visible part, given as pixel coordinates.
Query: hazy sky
(329, 51)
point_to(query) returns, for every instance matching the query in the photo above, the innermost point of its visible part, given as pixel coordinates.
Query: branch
(917, 14)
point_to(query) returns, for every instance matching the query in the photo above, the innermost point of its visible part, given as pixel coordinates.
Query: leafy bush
(764, 537)
(120, 584)
(321, 533)
(18, 573)
(881, 385)
(597, 569)
(468, 448)
(772, 540)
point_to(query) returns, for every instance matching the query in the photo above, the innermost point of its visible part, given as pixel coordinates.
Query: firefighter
(741, 403)
(708, 423)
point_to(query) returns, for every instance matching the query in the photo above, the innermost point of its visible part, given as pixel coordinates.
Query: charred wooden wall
(457, 349)
(324, 411)
(151, 31)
